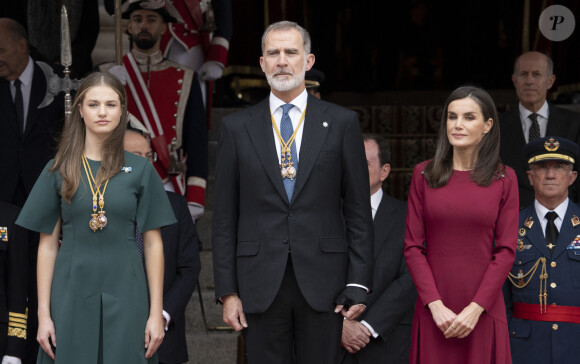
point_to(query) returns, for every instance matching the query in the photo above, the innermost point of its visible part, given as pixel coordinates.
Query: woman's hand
(154, 333)
(465, 322)
(46, 335)
(442, 316)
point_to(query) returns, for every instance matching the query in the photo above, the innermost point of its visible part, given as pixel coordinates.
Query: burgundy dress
(450, 251)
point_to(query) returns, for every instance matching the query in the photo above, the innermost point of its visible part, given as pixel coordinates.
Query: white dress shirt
(543, 114)
(295, 114)
(375, 202)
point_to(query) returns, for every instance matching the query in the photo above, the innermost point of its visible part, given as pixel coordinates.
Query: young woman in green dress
(96, 303)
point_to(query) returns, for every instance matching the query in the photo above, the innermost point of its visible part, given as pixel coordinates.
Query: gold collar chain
(287, 169)
(98, 221)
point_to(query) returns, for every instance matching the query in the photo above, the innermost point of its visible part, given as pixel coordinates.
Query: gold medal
(97, 221)
(287, 169)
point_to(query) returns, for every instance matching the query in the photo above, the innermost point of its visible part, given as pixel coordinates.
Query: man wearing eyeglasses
(182, 262)
(542, 293)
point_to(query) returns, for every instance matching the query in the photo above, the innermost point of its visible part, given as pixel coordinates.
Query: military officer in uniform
(542, 292)
(14, 261)
(166, 98)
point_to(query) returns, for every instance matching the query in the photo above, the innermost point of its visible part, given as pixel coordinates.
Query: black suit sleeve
(225, 218)
(188, 265)
(356, 206)
(393, 303)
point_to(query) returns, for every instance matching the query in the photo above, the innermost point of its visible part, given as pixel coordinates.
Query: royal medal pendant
(102, 220)
(283, 172)
(291, 172)
(93, 223)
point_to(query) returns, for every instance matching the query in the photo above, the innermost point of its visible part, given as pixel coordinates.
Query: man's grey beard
(286, 85)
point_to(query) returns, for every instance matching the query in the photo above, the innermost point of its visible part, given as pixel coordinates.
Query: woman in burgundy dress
(460, 238)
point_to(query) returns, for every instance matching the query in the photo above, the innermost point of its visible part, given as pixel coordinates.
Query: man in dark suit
(182, 263)
(31, 120)
(534, 118)
(384, 329)
(547, 263)
(14, 261)
(292, 226)
(28, 132)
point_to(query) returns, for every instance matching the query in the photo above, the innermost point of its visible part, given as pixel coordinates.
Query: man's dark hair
(384, 147)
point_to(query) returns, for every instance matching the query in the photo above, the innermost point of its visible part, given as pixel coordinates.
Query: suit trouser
(290, 331)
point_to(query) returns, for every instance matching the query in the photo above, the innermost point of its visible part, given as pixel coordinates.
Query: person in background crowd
(182, 263)
(166, 98)
(14, 270)
(384, 329)
(534, 118)
(547, 257)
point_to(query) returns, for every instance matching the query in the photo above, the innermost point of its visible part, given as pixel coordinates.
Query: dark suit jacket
(327, 226)
(538, 341)
(561, 122)
(182, 266)
(390, 306)
(14, 264)
(24, 155)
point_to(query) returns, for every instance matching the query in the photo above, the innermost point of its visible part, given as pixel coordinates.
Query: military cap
(551, 148)
(159, 6)
(313, 78)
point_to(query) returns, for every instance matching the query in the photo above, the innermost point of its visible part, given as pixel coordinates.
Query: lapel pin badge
(575, 221)
(127, 169)
(325, 124)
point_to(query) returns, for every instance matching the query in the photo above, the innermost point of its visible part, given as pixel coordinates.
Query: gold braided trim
(12, 324)
(550, 156)
(19, 333)
(19, 315)
(17, 320)
(543, 281)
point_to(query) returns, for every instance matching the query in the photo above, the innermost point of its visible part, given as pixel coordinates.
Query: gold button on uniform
(553, 285)
(553, 264)
(555, 327)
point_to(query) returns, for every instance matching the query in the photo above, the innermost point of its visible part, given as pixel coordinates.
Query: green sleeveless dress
(99, 297)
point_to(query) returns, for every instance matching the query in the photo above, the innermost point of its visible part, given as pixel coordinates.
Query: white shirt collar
(299, 102)
(376, 201)
(26, 75)
(525, 113)
(541, 211)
